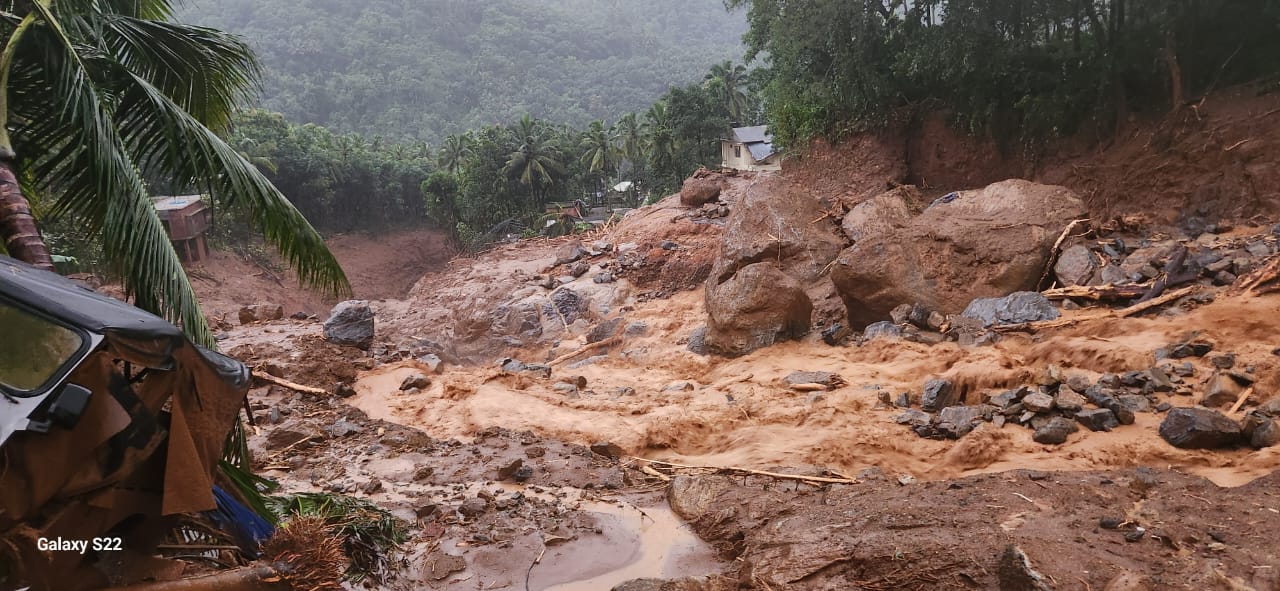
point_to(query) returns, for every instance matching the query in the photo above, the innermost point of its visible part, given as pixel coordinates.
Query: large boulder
(350, 323)
(881, 214)
(1199, 428)
(1015, 308)
(984, 243)
(775, 222)
(755, 307)
(698, 191)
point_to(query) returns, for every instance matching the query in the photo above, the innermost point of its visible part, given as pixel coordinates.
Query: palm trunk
(17, 225)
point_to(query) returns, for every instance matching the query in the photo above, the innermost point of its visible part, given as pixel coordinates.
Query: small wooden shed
(186, 218)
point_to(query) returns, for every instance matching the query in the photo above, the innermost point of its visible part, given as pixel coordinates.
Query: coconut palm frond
(84, 158)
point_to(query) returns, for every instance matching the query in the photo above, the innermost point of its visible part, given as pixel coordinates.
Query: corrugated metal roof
(748, 135)
(760, 150)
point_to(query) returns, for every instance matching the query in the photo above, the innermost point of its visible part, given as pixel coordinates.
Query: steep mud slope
(1215, 160)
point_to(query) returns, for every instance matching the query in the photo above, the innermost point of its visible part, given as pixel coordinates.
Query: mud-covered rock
(1220, 391)
(985, 243)
(1199, 428)
(1015, 308)
(260, 313)
(570, 252)
(755, 307)
(1076, 265)
(775, 222)
(882, 213)
(351, 324)
(698, 191)
(415, 380)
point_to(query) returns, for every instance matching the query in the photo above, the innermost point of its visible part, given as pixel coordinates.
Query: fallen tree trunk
(1098, 293)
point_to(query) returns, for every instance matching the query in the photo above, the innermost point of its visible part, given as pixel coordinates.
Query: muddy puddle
(648, 542)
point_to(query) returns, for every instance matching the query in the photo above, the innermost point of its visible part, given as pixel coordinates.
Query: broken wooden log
(1098, 293)
(796, 477)
(266, 377)
(1265, 279)
(1133, 310)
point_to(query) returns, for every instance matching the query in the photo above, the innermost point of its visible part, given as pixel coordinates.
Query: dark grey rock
(1016, 308)
(473, 507)
(882, 329)
(1008, 397)
(637, 328)
(1076, 265)
(1098, 419)
(1192, 349)
(1135, 403)
(938, 394)
(900, 314)
(1265, 434)
(350, 324)
(344, 390)
(1220, 391)
(914, 417)
(1054, 432)
(698, 341)
(1199, 428)
(955, 422)
(569, 304)
(903, 400)
(415, 380)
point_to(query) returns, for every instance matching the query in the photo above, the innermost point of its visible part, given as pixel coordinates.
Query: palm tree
(627, 134)
(454, 153)
(659, 137)
(535, 163)
(599, 149)
(727, 79)
(95, 97)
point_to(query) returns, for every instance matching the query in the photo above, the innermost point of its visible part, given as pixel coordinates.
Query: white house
(749, 148)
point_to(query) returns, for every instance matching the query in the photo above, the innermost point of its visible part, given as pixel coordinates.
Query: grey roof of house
(756, 139)
(750, 135)
(760, 150)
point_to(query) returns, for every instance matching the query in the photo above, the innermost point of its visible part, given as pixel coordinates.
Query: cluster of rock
(791, 260)
(1056, 406)
(921, 324)
(1208, 257)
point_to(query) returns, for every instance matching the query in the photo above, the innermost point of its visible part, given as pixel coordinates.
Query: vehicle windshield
(32, 350)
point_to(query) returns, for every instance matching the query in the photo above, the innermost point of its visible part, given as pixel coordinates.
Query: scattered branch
(796, 477)
(266, 377)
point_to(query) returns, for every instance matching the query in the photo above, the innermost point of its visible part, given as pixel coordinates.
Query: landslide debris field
(752, 386)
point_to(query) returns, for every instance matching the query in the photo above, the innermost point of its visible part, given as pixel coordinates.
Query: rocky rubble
(1056, 406)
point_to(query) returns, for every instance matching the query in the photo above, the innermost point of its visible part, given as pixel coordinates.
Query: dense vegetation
(1016, 68)
(497, 179)
(425, 69)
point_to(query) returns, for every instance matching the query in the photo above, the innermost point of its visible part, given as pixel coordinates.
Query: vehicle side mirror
(69, 406)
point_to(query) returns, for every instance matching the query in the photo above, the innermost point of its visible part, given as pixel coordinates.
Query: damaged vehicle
(112, 425)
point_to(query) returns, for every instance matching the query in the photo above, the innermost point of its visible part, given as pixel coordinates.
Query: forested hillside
(423, 69)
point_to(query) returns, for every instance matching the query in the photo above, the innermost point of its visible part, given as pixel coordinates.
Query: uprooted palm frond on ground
(370, 535)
